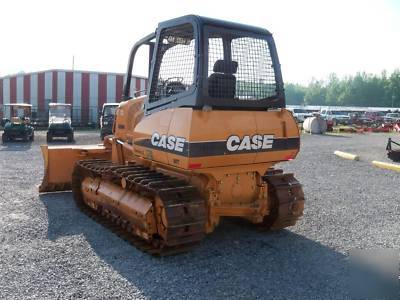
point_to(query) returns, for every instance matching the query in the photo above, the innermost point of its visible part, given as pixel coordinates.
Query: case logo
(168, 142)
(255, 142)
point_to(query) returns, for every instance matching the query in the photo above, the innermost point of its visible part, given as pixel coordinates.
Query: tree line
(361, 89)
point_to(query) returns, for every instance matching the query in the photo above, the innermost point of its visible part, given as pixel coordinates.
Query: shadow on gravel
(16, 146)
(235, 261)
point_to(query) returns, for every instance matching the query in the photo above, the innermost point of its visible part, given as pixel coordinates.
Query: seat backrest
(16, 120)
(222, 83)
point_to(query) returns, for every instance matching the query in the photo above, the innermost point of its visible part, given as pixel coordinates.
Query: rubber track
(173, 192)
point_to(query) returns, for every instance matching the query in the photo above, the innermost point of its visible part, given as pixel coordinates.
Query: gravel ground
(49, 250)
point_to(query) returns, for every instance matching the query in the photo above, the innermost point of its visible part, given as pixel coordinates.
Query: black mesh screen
(175, 61)
(240, 67)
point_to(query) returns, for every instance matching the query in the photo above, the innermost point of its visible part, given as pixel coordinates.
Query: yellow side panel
(212, 126)
(159, 123)
(180, 126)
(284, 127)
(216, 138)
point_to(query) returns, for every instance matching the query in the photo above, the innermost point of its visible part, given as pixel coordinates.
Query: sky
(313, 38)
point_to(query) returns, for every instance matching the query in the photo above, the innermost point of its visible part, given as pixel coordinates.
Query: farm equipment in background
(60, 122)
(16, 120)
(107, 117)
(201, 146)
(393, 154)
(329, 125)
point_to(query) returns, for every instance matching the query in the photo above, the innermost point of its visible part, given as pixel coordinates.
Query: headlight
(105, 123)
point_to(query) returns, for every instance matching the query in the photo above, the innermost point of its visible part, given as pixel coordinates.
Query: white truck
(300, 114)
(337, 117)
(392, 118)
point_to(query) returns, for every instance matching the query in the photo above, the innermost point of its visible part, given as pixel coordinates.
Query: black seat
(222, 83)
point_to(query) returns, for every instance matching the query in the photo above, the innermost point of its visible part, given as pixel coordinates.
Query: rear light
(194, 165)
(289, 157)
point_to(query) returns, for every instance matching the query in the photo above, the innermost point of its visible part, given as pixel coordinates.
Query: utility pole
(73, 62)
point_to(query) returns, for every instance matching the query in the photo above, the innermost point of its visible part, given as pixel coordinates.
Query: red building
(87, 91)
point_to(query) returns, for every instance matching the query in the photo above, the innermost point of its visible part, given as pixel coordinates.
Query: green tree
(334, 90)
(315, 93)
(294, 94)
(362, 89)
(393, 89)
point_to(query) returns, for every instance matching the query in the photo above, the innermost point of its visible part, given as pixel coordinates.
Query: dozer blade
(59, 162)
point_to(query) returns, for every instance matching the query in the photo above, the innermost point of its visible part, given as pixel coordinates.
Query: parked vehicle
(300, 114)
(107, 117)
(17, 122)
(358, 118)
(375, 116)
(336, 116)
(60, 122)
(392, 118)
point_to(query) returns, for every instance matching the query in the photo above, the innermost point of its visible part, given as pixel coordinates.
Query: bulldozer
(199, 147)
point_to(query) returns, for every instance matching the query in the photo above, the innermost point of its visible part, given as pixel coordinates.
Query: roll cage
(207, 63)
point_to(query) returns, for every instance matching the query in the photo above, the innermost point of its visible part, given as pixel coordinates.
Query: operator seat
(222, 83)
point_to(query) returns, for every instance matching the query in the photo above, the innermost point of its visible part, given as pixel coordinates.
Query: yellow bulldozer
(199, 147)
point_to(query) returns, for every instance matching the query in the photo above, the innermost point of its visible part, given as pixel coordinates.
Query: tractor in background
(16, 122)
(60, 122)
